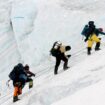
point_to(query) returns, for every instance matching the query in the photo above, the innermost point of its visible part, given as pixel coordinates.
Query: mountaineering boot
(88, 50)
(15, 98)
(55, 70)
(31, 84)
(97, 46)
(66, 68)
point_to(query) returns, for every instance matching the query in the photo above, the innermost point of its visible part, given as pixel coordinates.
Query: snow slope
(92, 95)
(77, 83)
(8, 46)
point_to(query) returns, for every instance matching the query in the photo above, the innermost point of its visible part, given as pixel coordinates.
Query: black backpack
(17, 70)
(55, 51)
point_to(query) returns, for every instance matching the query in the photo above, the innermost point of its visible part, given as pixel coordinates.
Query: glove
(31, 75)
(34, 75)
(99, 38)
(85, 40)
(68, 56)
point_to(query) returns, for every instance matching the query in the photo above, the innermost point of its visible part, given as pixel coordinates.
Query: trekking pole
(82, 37)
(7, 83)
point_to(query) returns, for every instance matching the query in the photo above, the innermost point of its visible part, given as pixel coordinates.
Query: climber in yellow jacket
(92, 36)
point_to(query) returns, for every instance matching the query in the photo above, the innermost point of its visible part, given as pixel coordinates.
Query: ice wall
(9, 54)
(23, 16)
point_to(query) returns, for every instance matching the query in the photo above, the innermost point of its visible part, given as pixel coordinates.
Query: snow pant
(17, 90)
(91, 40)
(58, 61)
(24, 81)
(19, 83)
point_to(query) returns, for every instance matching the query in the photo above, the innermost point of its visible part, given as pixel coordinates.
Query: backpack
(17, 70)
(85, 30)
(55, 49)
